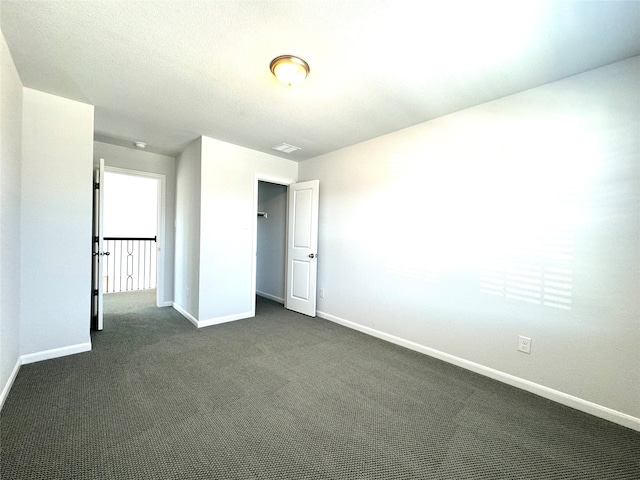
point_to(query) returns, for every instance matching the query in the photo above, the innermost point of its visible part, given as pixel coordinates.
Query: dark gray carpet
(284, 396)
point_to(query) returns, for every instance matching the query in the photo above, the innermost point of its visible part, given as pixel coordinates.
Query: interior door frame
(97, 248)
(258, 177)
(160, 236)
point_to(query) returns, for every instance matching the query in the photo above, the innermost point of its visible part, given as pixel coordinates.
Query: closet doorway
(271, 241)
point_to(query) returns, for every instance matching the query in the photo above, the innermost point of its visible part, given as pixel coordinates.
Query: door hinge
(95, 292)
(96, 186)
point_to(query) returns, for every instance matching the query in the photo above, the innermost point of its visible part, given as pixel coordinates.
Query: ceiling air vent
(285, 148)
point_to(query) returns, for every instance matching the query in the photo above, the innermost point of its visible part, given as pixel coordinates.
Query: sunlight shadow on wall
(507, 216)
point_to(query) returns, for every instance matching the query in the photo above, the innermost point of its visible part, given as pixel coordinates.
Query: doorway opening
(271, 230)
(132, 228)
(295, 245)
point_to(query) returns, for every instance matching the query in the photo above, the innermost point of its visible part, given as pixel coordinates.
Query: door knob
(313, 255)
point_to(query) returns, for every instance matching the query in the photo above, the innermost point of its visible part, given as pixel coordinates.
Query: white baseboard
(38, 357)
(185, 314)
(218, 320)
(546, 392)
(10, 380)
(210, 321)
(55, 353)
(271, 297)
(165, 304)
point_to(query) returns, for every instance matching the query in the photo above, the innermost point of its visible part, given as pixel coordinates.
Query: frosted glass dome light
(289, 70)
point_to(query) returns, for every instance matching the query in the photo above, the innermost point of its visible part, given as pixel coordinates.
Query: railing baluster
(106, 264)
(120, 270)
(144, 273)
(138, 276)
(129, 280)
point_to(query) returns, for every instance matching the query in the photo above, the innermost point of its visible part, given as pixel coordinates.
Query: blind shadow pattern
(541, 274)
(512, 225)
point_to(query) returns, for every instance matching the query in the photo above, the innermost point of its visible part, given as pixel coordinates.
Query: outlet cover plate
(524, 344)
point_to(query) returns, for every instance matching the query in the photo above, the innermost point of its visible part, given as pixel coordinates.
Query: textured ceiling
(166, 72)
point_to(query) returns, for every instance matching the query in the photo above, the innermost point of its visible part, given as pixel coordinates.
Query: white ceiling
(166, 72)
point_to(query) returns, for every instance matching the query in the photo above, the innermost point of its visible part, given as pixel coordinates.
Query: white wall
(139, 160)
(411, 222)
(10, 155)
(57, 149)
(271, 252)
(187, 231)
(228, 219)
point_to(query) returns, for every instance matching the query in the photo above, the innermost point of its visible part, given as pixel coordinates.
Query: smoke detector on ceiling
(286, 148)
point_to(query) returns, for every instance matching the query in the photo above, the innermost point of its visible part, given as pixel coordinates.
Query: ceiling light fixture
(140, 144)
(289, 70)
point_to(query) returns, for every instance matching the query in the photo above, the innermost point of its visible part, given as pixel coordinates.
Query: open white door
(98, 254)
(302, 247)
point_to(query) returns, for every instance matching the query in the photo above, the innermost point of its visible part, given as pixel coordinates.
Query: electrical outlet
(322, 293)
(524, 344)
